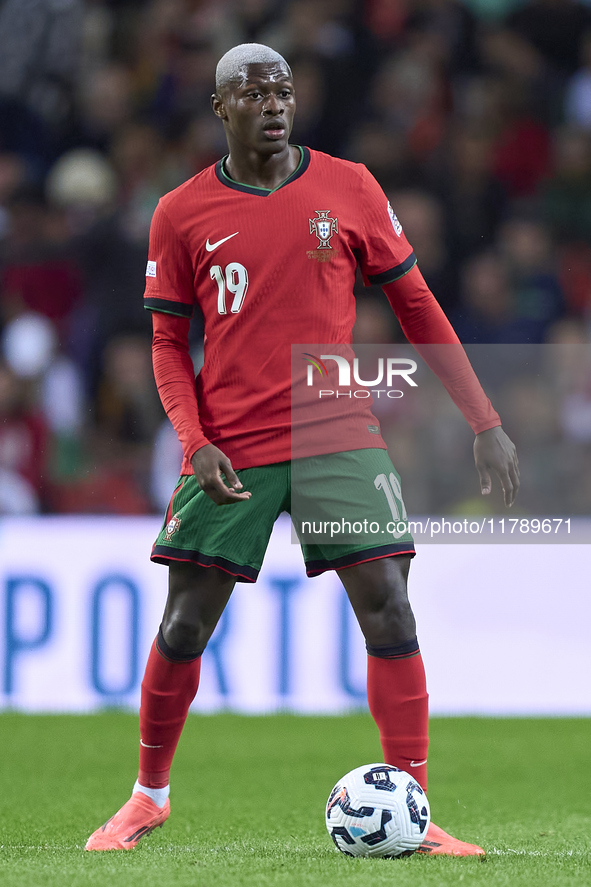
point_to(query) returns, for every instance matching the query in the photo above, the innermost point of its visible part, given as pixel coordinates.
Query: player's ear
(217, 104)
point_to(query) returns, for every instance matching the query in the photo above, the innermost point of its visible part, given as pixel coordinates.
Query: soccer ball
(377, 810)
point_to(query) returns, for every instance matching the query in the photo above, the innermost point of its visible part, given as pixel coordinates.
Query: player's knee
(196, 600)
(395, 614)
(387, 601)
(388, 616)
(185, 633)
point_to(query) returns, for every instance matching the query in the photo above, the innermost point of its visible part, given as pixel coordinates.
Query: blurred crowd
(475, 117)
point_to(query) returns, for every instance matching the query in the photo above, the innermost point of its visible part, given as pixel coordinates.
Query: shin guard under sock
(398, 701)
(168, 689)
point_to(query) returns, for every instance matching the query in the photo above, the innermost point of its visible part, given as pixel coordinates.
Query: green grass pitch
(249, 794)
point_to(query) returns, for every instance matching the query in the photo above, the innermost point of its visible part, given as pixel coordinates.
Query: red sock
(168, 689)
(398, 701)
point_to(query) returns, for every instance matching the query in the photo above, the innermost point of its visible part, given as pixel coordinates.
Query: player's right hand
(208, 465)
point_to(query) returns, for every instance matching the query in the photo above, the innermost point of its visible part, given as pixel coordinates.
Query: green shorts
(346, 509)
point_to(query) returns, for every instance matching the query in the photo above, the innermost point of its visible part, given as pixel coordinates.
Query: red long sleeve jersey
(269, 269)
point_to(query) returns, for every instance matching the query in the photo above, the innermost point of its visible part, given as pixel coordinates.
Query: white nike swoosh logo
(418, 763)
(149, 746)
(211, 246)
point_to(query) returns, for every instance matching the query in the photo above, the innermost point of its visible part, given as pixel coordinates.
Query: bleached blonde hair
(229, 67)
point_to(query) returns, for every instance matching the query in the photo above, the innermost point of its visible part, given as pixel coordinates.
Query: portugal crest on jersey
(324, 228)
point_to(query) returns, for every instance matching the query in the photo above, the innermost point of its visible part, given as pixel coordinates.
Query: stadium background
(476, 119)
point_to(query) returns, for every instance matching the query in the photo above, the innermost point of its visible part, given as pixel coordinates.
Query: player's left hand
(494, 450)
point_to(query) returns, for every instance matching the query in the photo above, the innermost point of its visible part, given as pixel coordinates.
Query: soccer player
(267, 242)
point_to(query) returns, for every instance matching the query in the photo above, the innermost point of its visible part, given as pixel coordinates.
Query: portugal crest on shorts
(324, 227)
(172, 527)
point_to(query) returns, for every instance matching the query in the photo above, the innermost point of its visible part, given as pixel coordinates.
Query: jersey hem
(238, 465)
